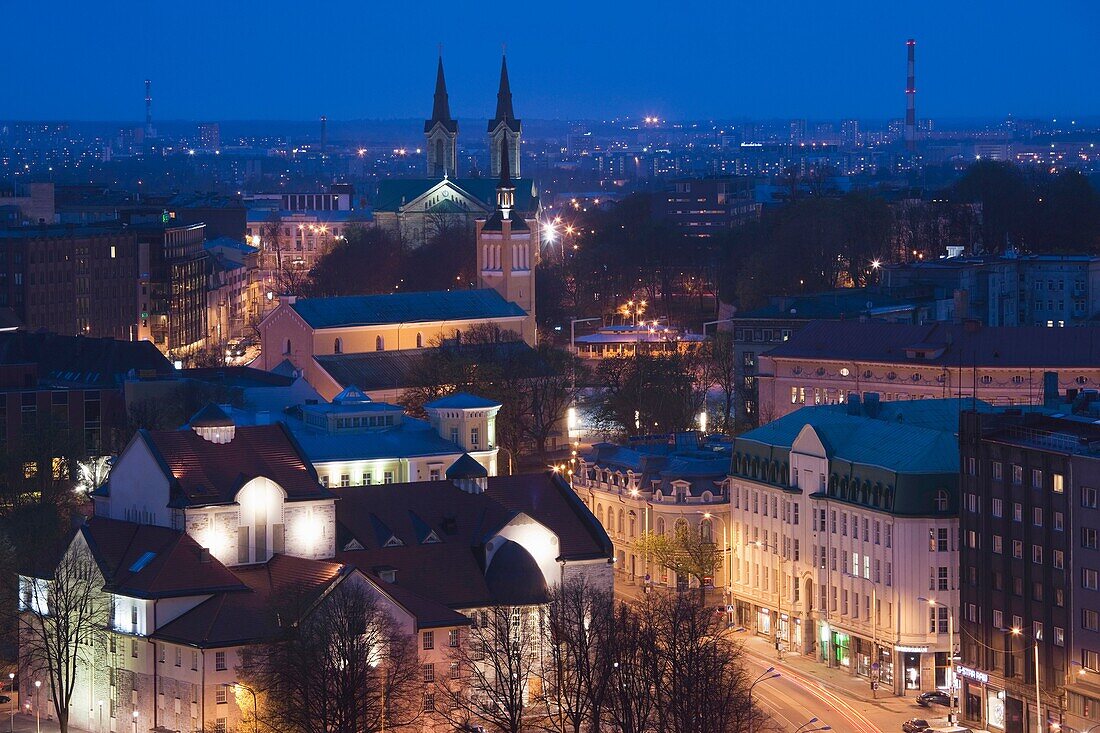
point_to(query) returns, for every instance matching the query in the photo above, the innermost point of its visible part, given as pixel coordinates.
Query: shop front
(764, 621)
(910, 657)
(984, 704)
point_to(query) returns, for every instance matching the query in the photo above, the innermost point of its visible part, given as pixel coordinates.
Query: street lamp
(634, 493)
(255, 705)
(779, 593)
(11, 681)
(875, 655)
(37, 705)
(951, 716)
(1017, 631)
(713, 323)
(767, 674)
(804, 728)
(135, 714)
(727, 560)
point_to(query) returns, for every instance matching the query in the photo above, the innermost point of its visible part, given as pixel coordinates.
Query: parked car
(934, 697)
(914, 725)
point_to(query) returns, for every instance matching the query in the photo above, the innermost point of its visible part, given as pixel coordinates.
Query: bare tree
(577, 676)
(65, 614)
(720, 369)
(702, 687)
(340, 667)
(688, 551)
(496, 678)
(636, 671)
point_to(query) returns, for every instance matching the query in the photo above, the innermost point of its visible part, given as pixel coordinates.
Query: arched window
(681, 525)
(619, 526)
(706, 532)
(941, 501)
(633, 524)
(707, 497)
(286, 346)
(419, 340)
(438, 156)
(337, 347)
(599, 513)
(660, 526)
(379, 343)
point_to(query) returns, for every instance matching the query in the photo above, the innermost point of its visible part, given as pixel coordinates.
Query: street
(806, 689)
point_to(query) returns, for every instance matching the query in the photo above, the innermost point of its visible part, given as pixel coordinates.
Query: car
(914, 725)
(934, 697)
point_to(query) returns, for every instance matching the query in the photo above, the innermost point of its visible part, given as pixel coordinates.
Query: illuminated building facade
(844, 518)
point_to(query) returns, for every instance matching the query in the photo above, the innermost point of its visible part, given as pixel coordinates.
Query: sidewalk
(852, 688)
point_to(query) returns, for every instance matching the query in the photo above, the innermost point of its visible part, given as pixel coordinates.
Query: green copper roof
(394, 193)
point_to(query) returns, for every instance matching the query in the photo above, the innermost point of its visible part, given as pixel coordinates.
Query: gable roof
(248, 615)
(452, 571)
(204, 473)
(143, 561)
(438, 305)
(394, 193)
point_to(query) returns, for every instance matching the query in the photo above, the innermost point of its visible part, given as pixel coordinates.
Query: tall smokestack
(324, 133)
(148, 108)
(911, 98)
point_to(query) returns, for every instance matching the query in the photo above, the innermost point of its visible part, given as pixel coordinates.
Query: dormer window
(388, 576)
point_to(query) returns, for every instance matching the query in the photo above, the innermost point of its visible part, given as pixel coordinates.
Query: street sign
(876, 666)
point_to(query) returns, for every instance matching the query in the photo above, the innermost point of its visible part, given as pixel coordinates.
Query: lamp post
(804, 728)
(874, 633)
(255, 705)
(1017, 631)
(11, 681)
(779, 593)
(37, 705)
(634, 493)
(727, 561)
(951, 715)
(767, 674)
(713, 323)
(99, 727)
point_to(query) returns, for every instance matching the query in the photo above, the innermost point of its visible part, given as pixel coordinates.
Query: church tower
(441, 131)
(504, 125)
(507, 249)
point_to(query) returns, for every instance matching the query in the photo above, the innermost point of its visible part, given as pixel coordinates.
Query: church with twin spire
(449, 196)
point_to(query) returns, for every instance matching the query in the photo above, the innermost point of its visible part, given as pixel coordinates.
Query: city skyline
(794, 61)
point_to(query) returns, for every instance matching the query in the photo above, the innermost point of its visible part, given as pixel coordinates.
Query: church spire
(441, 130)
(504, 94)
(504, 125)
(441, 106)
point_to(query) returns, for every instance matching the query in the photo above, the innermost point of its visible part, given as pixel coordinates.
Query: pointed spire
(504, 93)
(441, 108)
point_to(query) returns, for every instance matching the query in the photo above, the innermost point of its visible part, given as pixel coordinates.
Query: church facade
(418, 208)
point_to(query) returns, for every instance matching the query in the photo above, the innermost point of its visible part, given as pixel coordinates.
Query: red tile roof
(249, 616)
(176, 566)
(451, 571)
(212, 473)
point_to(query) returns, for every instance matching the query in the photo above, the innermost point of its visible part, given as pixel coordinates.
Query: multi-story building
(655, 485)
(356, 441)
(199, 532)
(296, 238)
(826, 361)
(72, 279)
(172, 284)
(844, 524)
(706, 207)
(1030, 601)
(1008, 290)
(757, 331)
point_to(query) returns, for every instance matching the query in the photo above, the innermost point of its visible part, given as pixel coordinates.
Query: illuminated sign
(972, 674)
(911, 649)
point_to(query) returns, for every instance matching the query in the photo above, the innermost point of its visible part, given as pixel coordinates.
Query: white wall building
(845, 525)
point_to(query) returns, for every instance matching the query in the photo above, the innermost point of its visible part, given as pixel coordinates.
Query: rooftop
(439, 305)
(944, 344)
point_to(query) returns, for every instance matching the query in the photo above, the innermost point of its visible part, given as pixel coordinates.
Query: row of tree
(583, 663)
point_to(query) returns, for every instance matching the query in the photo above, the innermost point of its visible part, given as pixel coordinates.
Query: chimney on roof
(854, 407)
(204, 554)
(1051, 398)
(871, 404)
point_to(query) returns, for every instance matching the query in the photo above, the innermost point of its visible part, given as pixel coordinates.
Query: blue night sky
(297, 60)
